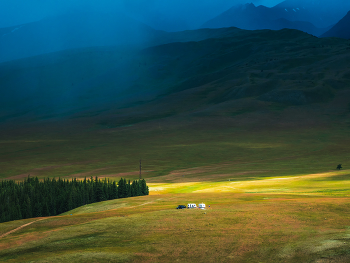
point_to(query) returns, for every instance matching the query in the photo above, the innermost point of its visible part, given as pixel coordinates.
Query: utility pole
(140, 169)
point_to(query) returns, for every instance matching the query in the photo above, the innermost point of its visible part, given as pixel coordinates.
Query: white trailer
(191, 206)
(201, 206)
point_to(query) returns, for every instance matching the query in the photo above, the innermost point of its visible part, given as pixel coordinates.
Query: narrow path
(18, 228)
(135, 205)
(141, 204)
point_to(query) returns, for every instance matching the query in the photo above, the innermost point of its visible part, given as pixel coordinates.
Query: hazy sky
(14, 12)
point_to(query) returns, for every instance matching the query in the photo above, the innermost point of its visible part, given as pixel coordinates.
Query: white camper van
(191, 206)
(201, 206)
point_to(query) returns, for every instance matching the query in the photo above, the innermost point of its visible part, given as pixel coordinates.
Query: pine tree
(92, 194)
(133, 189)
(138, 188)
(28, 208)
(46, 211)
(144, 187)
(105, 189)
(114, 191)
(69, 205)
(122, 188)
(37, 209)
(100, 193)
(129, 189)
(19, 214)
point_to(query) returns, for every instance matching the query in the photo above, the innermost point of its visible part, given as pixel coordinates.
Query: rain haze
(38, 27)
(185, 13)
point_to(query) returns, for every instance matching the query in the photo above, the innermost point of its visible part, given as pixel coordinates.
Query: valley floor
(274, 194)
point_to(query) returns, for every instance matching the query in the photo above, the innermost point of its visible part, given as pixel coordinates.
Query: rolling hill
(213, 75)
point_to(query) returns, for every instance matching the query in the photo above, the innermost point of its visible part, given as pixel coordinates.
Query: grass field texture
(236, 228)
(274, 194)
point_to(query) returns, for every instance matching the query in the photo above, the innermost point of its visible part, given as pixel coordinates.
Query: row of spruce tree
(50, 197)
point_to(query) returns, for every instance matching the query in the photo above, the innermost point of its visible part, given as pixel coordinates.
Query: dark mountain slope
(307, 27)
(245, 71)
(341, 29)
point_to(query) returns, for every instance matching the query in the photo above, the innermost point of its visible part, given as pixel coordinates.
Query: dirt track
(18, 228)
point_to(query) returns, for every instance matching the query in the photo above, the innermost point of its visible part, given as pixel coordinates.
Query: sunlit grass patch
(321, 183)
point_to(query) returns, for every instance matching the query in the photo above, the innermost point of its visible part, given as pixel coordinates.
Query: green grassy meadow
(274, 193)
(236, 228)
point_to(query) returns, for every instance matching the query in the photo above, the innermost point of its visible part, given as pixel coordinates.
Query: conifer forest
(50, 197)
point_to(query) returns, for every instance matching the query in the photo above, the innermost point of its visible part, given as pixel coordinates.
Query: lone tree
(339, 167)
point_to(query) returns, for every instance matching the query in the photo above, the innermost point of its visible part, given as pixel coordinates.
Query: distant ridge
(313, 17)
(341, 29)
(321, 13)
(253, 17)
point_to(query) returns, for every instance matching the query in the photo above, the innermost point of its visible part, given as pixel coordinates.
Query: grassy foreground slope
(236, 228)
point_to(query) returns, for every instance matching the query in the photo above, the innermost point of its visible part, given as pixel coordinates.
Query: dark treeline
(50, 197)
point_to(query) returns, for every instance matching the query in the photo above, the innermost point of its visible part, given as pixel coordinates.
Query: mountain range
(321, 13)
(313, 17)
(97, 29)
